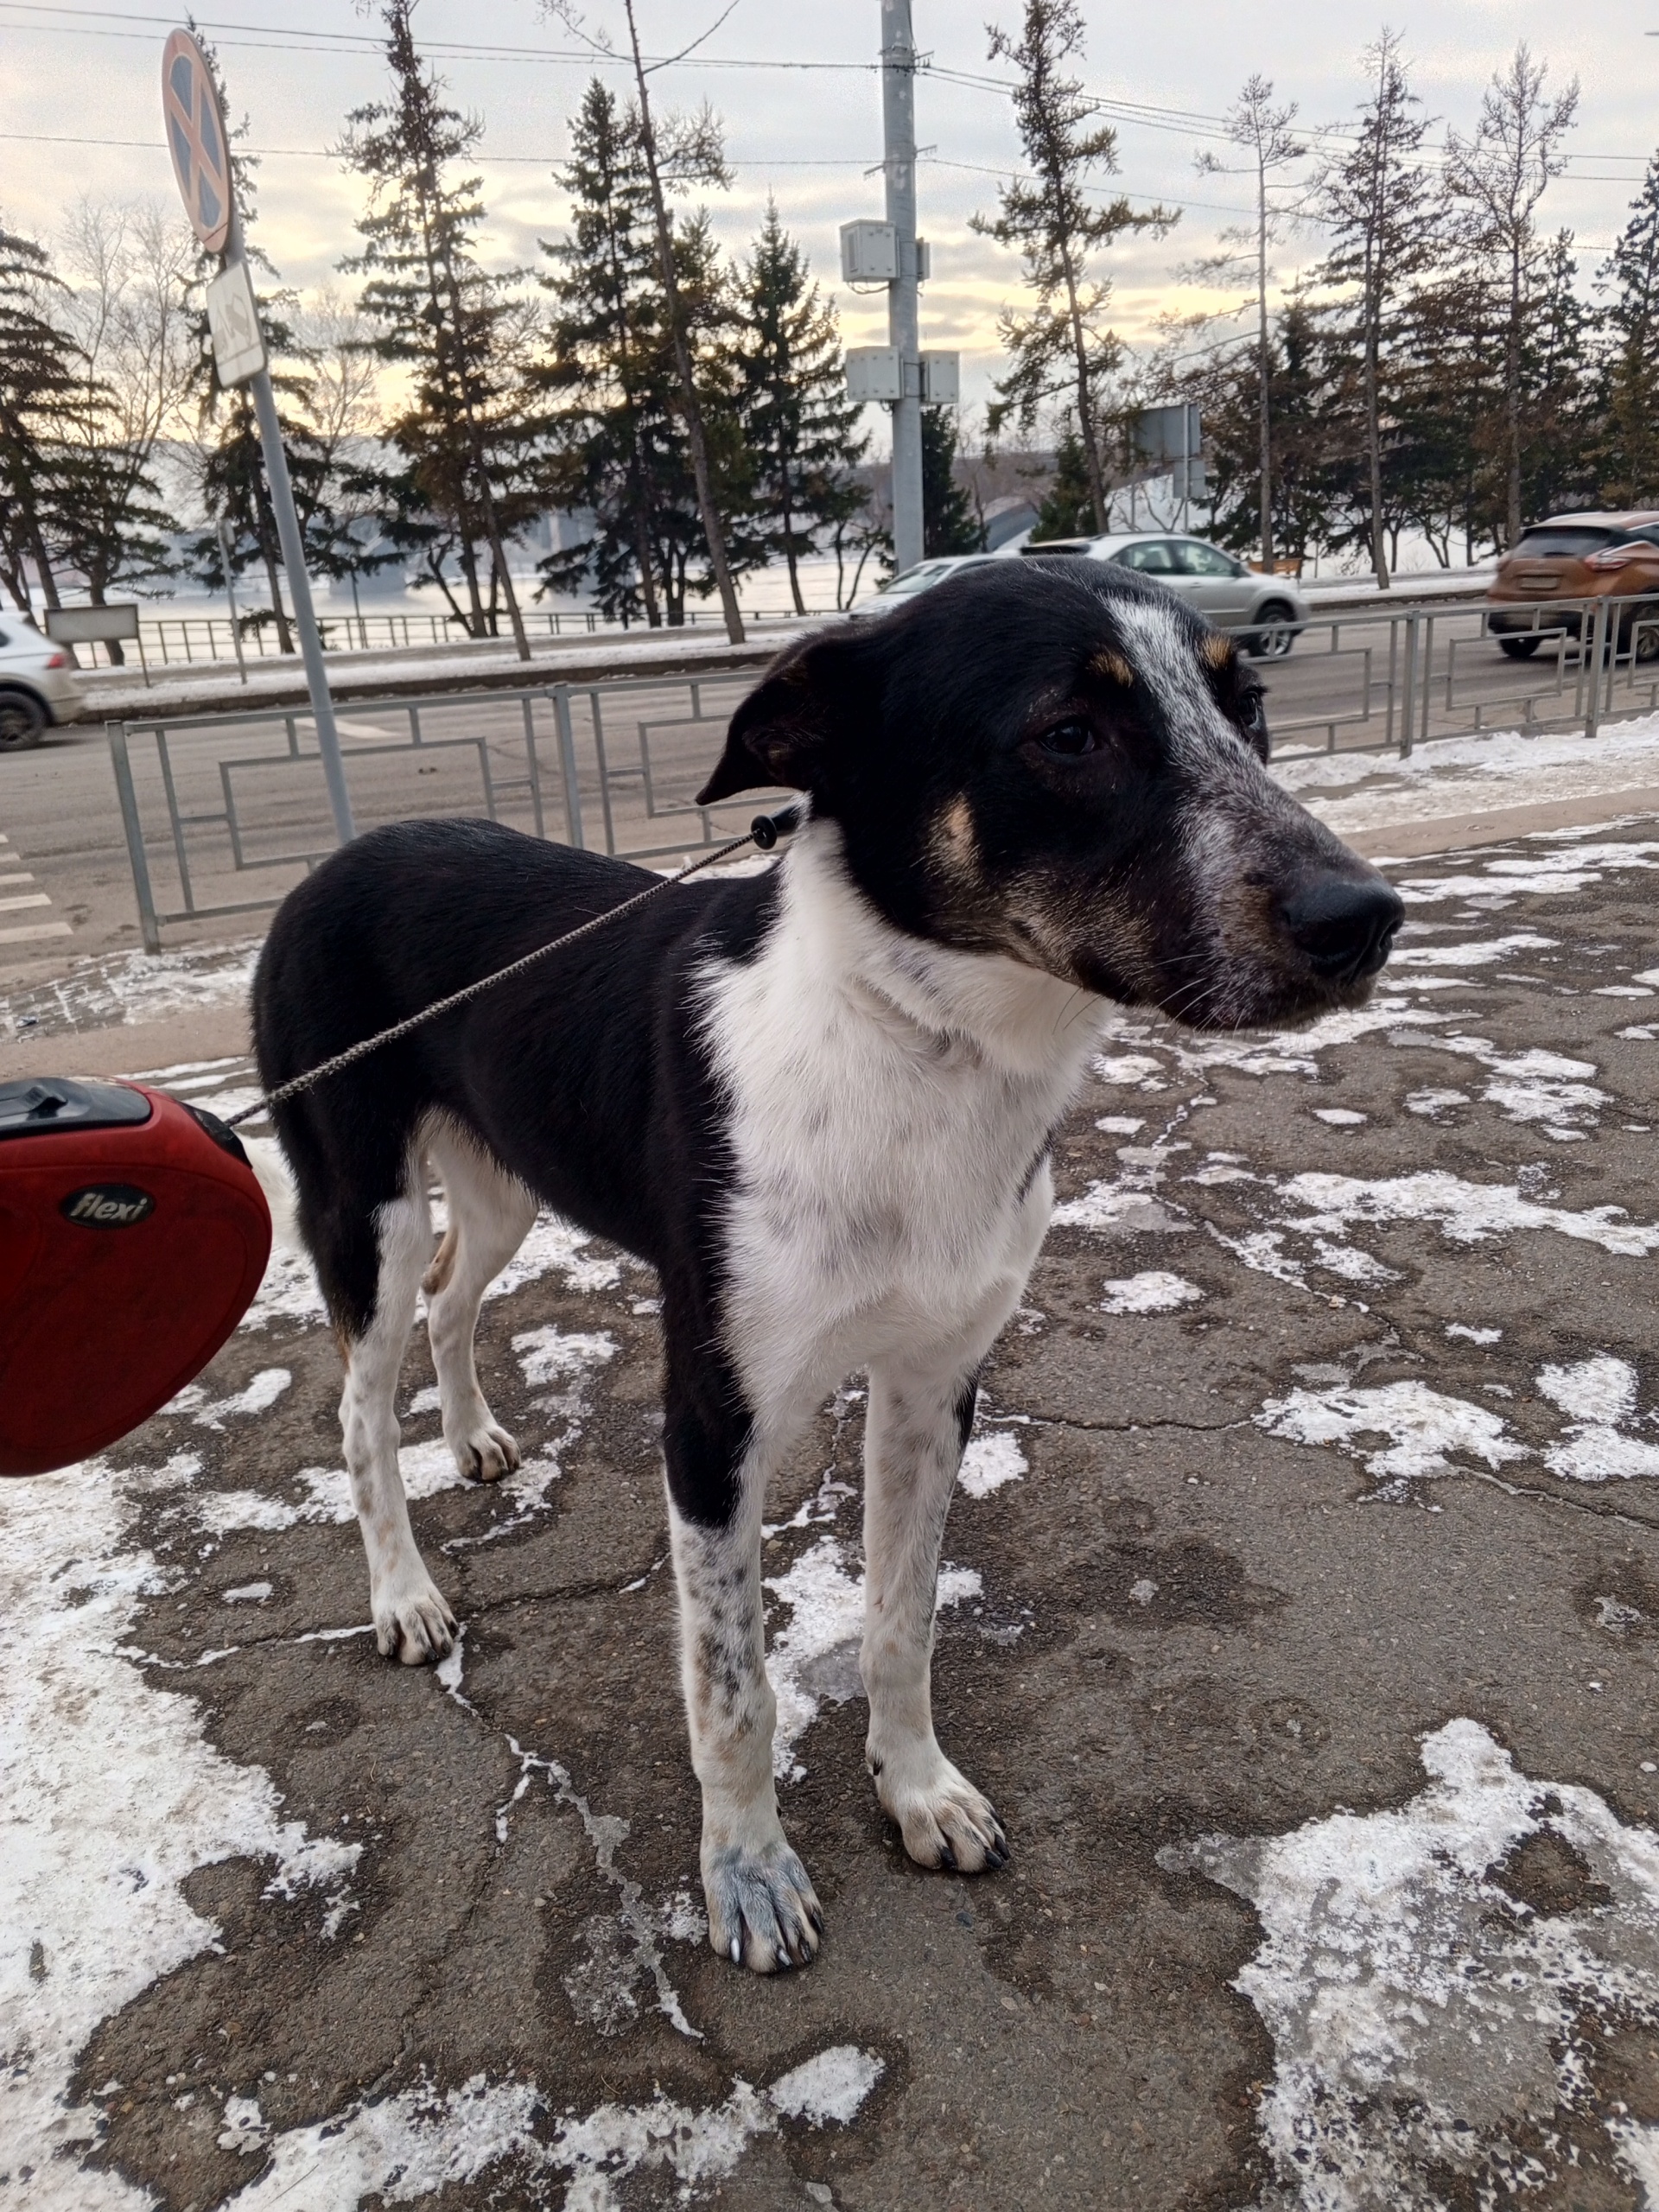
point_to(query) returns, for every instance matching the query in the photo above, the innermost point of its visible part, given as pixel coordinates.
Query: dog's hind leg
(490, 1215)
(762, 1910)
(917, 1426)
(411, 1620)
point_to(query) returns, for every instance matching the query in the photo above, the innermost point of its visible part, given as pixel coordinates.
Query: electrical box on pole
(869, 253)
(874, 372)
(942, 379)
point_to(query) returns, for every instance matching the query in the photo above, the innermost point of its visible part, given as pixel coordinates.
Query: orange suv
(1580, 557)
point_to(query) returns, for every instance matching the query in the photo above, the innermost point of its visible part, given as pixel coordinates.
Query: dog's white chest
(888, 1179)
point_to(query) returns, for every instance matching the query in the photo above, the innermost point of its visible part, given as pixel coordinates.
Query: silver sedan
(1267, 611)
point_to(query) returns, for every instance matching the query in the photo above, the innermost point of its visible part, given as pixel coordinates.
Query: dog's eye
(1251, 712)
(1069, 738)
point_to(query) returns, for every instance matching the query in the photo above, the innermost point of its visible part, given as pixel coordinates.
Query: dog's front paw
(944, 1821)
(412, 1621)
(484, 1452)
(762, 1911)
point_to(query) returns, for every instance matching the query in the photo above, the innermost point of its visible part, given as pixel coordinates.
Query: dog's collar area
(767, 829)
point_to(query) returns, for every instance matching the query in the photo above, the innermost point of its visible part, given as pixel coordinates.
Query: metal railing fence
(179, 639)
(215, 805)
(212, 805)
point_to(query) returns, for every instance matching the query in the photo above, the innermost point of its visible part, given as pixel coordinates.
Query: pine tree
(1629, 439)
(1068, 507)
(42, 370)
(610, 415)
(949, 524)
(456, 330)
(622, 448)
(1380, 210)
(1061, 349)
(800, 428)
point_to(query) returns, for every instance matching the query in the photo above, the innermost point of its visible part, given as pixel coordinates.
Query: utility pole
(904, 305)
(898, 373)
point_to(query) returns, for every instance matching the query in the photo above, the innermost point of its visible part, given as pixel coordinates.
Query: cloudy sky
(79, 114)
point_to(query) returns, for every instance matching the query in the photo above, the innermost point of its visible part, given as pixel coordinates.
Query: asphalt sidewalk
(1300, 1612)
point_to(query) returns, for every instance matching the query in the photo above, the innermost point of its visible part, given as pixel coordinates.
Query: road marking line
(36, 929)
(6, 881)
(29, 899)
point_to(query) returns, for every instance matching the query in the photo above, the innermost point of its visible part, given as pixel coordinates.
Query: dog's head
(1060, 762)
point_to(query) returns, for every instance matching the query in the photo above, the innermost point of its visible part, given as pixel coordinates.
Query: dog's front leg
(916, 1428)
(762, 1911)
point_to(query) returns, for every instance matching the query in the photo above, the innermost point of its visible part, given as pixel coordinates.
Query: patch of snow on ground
(816, 1657)
(1415, 1427)
(1339, 1117)
(991, 1460)
(1465, 1213)
(1153, 1291)
(1430, 2022)
(1474, 954)
(112, 1799)
(832, 2086)
(1598, 1394)
(1473, 1336)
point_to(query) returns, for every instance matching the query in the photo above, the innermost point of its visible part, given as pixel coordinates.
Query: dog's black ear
(782, 731)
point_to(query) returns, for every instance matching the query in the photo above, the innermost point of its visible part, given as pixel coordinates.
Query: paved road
(58, 805)
(1300, 1617)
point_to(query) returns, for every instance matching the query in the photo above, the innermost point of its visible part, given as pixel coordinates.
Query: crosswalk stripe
(29, 899)
(34, 930)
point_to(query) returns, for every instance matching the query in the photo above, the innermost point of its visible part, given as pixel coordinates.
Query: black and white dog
(817, 1100)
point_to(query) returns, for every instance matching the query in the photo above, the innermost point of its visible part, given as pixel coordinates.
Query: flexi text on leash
(137, 1232)
(764, 832)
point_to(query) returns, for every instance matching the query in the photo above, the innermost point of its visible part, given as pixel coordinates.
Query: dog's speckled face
(1061, 762)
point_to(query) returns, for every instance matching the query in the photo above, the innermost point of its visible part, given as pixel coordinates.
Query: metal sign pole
(904, 311)
(195, 125)
(299, 584)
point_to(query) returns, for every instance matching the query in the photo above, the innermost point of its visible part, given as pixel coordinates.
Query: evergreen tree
(1061, 349)
(42, 372)
(1380, 210)
(610, 415)
(949, 523)
(1068, 507)
(1306, 512)
(1629, 439)
(800, 428)
(621, 442)
(457, 331)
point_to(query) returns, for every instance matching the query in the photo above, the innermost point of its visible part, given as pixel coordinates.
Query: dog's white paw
(763, 1913)
(484, 1452)
(412, 1620)
(944, 1821)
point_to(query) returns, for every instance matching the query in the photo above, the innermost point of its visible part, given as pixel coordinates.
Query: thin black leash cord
(764, 833)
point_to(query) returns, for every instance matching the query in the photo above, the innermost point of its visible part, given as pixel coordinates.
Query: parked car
(38, 684)
(923, 578)
(1267, 611)
(1582, 556)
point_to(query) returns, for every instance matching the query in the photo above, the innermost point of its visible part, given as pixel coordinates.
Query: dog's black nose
(1344, 923)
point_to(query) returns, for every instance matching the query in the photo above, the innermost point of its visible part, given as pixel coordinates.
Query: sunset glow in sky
(807, 134)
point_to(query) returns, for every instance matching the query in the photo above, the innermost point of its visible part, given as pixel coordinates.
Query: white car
(923, 578)
(1267, 610)
(38, 688)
